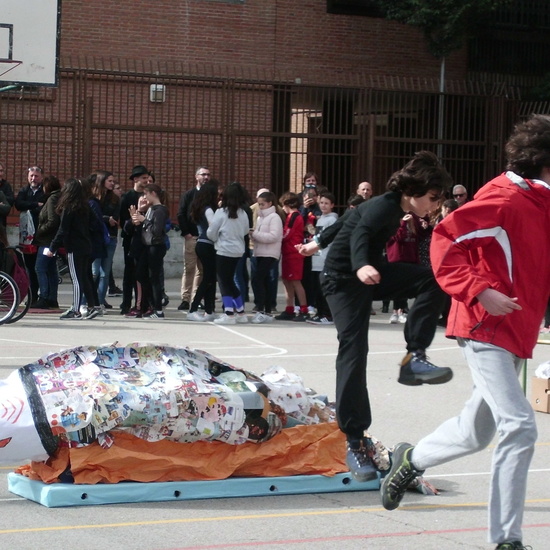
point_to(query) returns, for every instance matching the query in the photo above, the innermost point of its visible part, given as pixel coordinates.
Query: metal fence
(261, 133)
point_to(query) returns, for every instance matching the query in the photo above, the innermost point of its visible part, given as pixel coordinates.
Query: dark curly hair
(423, 173)
(528, 149)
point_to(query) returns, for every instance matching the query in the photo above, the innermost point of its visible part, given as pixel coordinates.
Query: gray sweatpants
(497, 403)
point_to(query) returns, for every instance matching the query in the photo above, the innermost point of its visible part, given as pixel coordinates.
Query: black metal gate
(263, 134)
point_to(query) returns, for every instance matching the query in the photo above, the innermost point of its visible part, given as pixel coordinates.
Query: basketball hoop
(12, 64)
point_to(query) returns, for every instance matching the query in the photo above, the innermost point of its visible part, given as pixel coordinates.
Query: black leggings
(150, 274)
(206, 290)
(261, 283)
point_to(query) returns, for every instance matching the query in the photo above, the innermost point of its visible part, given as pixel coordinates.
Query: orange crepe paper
(302, 450)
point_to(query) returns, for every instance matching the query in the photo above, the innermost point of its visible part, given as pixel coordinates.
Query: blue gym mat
(66, 494)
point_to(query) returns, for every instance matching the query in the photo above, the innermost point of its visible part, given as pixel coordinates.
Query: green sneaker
(401, 474)
(512, 545)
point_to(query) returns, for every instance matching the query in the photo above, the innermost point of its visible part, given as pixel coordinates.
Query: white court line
(469, 474)
(279, 351)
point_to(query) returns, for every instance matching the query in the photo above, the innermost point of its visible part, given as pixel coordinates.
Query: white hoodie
(268, 234)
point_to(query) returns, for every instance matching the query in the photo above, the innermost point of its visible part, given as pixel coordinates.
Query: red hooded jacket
(499, 240)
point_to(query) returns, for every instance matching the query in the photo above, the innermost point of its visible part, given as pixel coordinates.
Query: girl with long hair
(227, 230)
(74, 235)
(109, 203)
(202, 211)
(153, 237)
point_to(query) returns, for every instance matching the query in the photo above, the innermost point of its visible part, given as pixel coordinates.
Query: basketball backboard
(29, 42)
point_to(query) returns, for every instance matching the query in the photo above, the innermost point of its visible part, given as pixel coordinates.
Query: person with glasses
(192, 268)
(30, 199)
(356, 273)
(460, 194)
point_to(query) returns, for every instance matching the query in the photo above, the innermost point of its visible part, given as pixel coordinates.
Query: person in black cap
(139, 177)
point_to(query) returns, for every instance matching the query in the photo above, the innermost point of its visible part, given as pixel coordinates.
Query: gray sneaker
(416, 370)
(359, 463)
(513, 545)
(399, 477)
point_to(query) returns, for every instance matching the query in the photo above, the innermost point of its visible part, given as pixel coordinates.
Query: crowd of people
(251, 245)
(460, 268)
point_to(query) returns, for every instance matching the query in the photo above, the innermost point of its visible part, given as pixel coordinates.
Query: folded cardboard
(540, 394)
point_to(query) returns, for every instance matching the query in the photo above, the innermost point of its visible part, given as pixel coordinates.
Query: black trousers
(206, 290)
(261, 283)
(350, 303)
(150, 274)
(30, 264)
(128, 279)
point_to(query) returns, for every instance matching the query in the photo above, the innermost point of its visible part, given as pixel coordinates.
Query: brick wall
(298, 39)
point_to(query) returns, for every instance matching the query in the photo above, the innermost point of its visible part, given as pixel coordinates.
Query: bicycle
(14, 303)
(9, 297)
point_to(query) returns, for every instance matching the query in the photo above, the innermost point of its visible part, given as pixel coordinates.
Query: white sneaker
(83, 311)
(210, 317)
(226, 320)
(241, 318)
(394, 319)
(260, 318)
(196, 316)
(403, 318)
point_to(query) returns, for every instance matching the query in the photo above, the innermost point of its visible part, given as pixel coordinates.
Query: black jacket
(27, 199)
(363, 236)
(74, 233)
(187, 227)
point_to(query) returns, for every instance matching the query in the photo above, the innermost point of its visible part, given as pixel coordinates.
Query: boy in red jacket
(491, 258)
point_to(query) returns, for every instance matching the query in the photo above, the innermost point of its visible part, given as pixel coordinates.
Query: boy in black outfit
(356, 273)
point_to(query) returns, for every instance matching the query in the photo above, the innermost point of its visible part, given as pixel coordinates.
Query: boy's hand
(307, 249)
(497, 303)
(368, 275)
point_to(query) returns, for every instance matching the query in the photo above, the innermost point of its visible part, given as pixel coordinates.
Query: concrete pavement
(456, 519)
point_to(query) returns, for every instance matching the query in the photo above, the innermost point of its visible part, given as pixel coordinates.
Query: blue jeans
(48, 278)
(241, 276)
(101, 270)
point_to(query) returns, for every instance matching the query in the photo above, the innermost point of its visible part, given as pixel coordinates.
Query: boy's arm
(455, 251)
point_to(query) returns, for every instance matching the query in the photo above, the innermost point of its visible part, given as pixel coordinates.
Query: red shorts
(292, 267)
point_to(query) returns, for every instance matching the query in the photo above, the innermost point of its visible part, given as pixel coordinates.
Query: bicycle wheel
(9, 297)
(21, 309)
